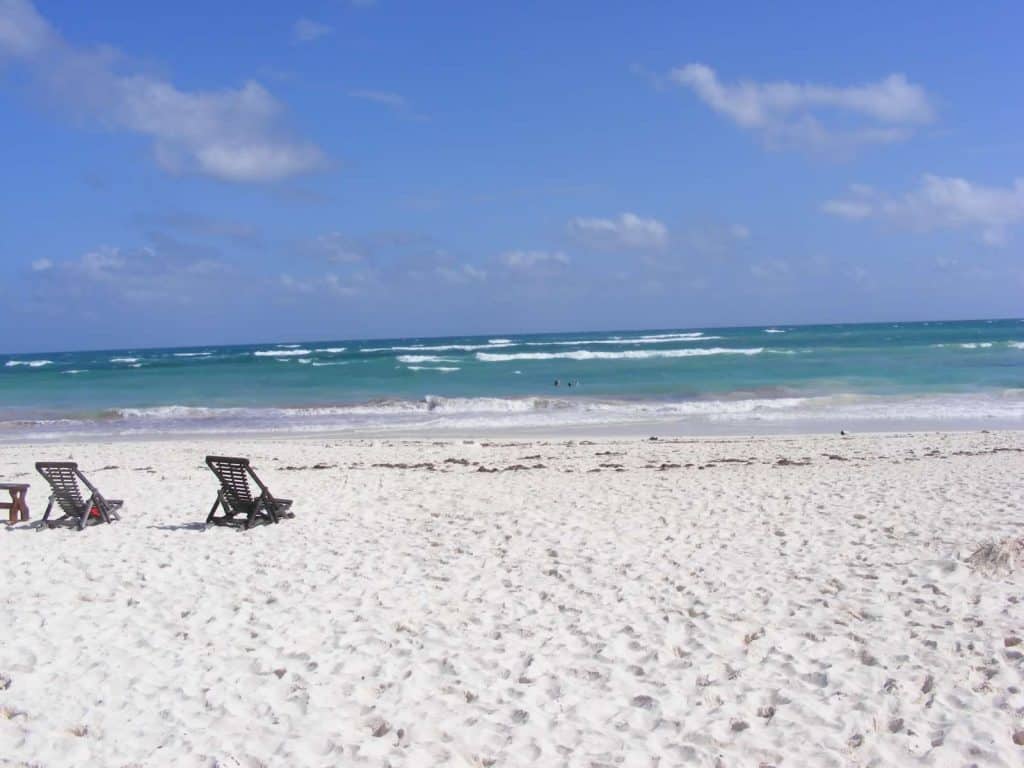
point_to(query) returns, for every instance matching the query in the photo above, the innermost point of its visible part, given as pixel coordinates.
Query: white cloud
(628, 231)
(234, 134)
(848, 209)
(460, 273)
(307, 31)
(940, 203)
(396, 102)
(785, 113)
(23, 32)
(337, 248)
(140, 275)
(526, 260)
(770, 270)
(712, 239)
(329, 284)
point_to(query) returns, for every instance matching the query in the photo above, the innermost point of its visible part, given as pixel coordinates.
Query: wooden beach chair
(235, 497)
(63, 477)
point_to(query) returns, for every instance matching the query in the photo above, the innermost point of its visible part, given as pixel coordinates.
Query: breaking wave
(282, 352)
(424, 359)
(644, 354)
(28, 363)
(743, 411)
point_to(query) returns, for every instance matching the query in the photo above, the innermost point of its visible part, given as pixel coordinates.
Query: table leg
(23, 504)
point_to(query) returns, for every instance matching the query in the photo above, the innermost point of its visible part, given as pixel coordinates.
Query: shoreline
(608, 431)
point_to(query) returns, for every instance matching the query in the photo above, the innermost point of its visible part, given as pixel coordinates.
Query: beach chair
(63, 477)
(235, 497)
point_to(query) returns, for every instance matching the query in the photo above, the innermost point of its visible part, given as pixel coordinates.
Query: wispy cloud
(527, 260)
(771, 269)
(201, 226)
(396, 102)
(233, 135)
(387, 98)
(937, 203)
(460, 273)
(144, 275)
(810, 115)
(337, 248)
(627, 231)
(307, 31)
(330, 284)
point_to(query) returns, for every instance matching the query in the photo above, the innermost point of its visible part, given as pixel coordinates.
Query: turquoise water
(940, 372)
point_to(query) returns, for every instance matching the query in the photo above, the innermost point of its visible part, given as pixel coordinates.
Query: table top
(14, 486)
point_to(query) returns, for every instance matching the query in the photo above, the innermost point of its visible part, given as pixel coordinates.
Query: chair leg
(95, 503)
(213, 510)
(271, 512)
(46, 516)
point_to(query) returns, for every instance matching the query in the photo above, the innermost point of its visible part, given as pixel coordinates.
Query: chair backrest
(233, 473)
(63, 479)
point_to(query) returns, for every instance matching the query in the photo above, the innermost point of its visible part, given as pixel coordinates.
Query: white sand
(736, 614)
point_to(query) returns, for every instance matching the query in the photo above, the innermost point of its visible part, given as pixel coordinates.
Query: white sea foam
(289, 346)
(437, 348)
(673, 335)
(499, 341)
(773, 330)
(282, 352)
(440, 368)
(161, 412)
(663, 339)
(124, 359)
(977, 345)
(1016, 344)
(327, 365)
(305, 360)
(633, 354)
(28, 363)
(789, 412)
(331, 350)
(424, 359)
(192, 354)
(74, 371)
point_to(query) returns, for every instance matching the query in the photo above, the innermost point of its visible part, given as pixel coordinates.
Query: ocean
(966, 374)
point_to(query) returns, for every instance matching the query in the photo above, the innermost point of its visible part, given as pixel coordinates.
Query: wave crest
(633, 354)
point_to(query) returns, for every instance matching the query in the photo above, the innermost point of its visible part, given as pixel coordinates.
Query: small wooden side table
(18, 505)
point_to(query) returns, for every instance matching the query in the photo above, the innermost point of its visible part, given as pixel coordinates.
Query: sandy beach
(610, 602)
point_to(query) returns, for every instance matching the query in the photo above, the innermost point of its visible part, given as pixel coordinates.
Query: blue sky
(227, 172)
